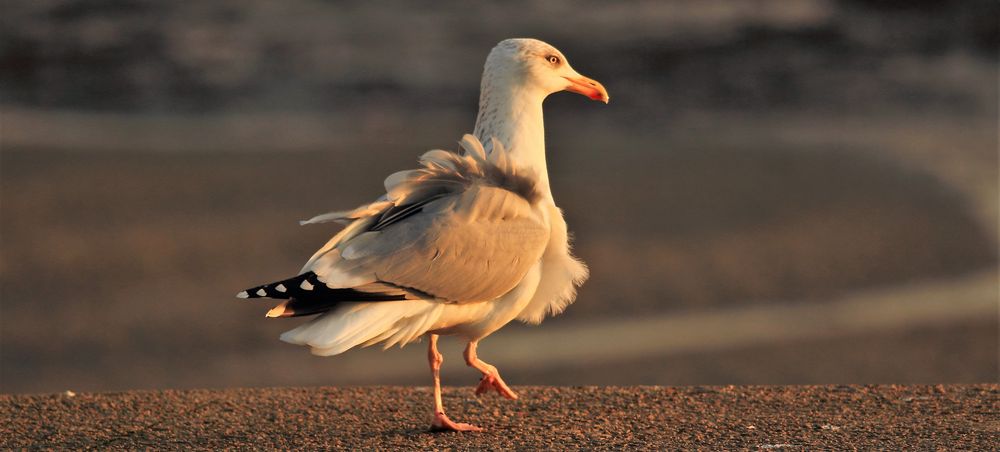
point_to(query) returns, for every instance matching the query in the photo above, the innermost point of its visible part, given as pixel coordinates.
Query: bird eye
(553, 59)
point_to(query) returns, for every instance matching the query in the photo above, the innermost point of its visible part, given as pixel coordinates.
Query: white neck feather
(512, 113)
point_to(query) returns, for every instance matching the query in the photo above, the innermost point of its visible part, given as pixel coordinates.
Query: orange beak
(590, 88)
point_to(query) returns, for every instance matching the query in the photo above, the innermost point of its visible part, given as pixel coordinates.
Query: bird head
(535, 64)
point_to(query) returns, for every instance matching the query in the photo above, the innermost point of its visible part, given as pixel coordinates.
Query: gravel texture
(954, 417)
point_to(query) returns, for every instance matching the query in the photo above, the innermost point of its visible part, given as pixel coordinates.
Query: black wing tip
(277, 289)
(306, 285)
(267, 291)
(307, 295)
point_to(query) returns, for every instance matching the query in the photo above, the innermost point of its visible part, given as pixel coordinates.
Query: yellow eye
(553, 59)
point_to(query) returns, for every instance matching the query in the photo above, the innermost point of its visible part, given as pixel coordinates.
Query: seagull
(461, 246)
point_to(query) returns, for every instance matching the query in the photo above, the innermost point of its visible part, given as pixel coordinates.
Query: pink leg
(491, 376)
(441, 421)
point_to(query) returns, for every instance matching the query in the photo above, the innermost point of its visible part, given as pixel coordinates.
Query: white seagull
(461, 246)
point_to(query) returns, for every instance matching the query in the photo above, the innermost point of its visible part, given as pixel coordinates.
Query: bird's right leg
(491, 376)
(441, 421)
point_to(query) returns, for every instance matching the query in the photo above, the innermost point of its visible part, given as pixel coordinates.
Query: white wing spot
(306, 285)
(243, 294)
(262, 293)
(280, 288)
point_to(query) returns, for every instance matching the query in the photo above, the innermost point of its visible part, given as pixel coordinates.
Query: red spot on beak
(588, 87)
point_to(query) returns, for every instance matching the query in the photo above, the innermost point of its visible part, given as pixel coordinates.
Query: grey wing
(472, 245)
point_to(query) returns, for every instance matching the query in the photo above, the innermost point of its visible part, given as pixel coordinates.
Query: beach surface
(893, 417)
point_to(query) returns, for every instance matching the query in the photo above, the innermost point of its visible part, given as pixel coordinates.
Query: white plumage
(461, 246)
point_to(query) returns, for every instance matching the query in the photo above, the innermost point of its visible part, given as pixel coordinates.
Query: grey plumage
(434, 231)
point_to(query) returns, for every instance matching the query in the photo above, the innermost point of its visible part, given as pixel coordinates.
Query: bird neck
(513, 115)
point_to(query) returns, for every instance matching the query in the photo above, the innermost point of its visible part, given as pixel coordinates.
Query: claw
(497, 384)
(441, 423)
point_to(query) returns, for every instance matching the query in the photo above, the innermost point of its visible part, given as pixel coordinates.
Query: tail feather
(363, 324)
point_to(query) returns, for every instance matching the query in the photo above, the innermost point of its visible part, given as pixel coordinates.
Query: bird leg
(491, 376)
(441, 421)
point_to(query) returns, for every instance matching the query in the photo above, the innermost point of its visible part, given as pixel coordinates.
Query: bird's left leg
(440, 422)
(491, 376)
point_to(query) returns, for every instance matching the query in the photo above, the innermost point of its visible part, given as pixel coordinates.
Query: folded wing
(463, 228)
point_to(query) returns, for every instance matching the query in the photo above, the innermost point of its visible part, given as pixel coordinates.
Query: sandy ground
(954, 417)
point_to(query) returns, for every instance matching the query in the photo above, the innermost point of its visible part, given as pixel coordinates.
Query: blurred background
(779, 192)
